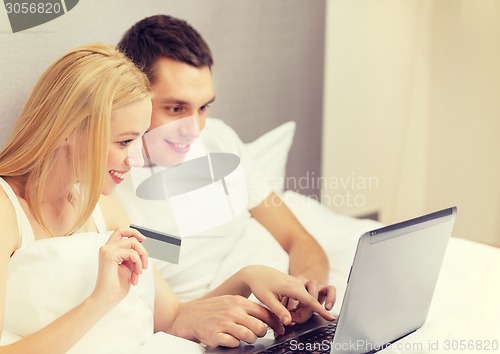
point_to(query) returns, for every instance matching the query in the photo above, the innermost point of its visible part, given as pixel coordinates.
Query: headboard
(268, 62)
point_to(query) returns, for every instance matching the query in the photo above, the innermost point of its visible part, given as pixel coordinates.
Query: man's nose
(189, 127)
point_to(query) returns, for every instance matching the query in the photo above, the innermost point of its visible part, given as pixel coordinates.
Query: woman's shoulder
(10, 235)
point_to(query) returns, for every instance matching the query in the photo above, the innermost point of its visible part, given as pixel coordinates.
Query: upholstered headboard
(268, 62)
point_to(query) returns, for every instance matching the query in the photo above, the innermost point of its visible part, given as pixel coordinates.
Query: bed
(465, 312)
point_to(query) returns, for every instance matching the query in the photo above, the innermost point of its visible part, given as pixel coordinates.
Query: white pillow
(8, 338)
(267, 156)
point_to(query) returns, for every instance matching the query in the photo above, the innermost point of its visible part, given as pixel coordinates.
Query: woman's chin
(108, 190)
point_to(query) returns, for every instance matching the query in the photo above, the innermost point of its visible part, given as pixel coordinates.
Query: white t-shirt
(202, 254)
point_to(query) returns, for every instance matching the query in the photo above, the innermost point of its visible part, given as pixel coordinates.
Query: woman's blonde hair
(73, 98)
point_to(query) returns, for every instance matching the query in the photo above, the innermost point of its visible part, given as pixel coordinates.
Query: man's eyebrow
(182, 102)
(173, 101)
(210, 101)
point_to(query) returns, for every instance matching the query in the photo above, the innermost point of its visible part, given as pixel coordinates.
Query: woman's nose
(135, 157)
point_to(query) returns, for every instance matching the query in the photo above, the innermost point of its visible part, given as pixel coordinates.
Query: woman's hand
(121, 261)
(275, 289)
(326, 294)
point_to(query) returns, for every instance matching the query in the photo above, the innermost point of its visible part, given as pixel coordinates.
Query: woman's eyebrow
(130, 133)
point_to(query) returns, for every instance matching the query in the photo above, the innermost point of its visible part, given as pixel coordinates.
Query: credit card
(160, 245)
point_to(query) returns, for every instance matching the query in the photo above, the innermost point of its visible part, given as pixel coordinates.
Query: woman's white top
(48, 277)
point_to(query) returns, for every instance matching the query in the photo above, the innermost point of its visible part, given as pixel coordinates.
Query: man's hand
(224, 320)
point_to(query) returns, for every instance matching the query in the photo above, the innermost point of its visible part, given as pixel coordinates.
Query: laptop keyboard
(317, 341)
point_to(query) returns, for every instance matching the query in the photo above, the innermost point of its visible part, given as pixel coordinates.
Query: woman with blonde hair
(92, 291)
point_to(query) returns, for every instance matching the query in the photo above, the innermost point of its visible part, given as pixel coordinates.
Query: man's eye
(175, 109)
(204, 108)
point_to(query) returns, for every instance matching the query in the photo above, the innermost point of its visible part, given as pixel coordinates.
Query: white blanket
(465, 312)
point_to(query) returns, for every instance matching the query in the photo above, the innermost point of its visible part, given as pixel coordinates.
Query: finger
(284, 301)
(133, 262)
(266, 316)
(223, 339)
(312, 287)
(301, 314)
(132, 243)
(135, 271)
(255, 325)
(291, 304)
(241, 332)
(329, 294)
(143, 253)
(277, 308)
(306, 299)
(120, 233)
(127, 256)
(322, 297)
(136, 260)
(134, 278)
(129, 232)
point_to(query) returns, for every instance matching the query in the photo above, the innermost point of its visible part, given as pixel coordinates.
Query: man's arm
(308, 261)
(307, 258)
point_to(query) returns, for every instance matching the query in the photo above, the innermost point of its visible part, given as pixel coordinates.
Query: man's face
(181, 91)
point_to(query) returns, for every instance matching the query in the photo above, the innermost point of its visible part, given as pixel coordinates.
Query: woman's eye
(125, 143)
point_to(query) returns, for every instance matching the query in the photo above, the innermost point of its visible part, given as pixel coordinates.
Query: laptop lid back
(392, 281)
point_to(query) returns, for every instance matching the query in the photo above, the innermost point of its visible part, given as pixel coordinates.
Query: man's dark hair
(163, 36)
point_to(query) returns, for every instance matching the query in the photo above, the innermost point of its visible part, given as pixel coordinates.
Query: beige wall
(261, 80)
(465, 122)
(411, 124)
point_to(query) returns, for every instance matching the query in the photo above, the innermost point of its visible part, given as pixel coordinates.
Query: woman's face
(128, 124)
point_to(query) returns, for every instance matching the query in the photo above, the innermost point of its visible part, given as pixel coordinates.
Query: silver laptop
(388, 295)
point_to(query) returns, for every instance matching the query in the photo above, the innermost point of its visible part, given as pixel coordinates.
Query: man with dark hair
(164, 37)
(178, 64)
